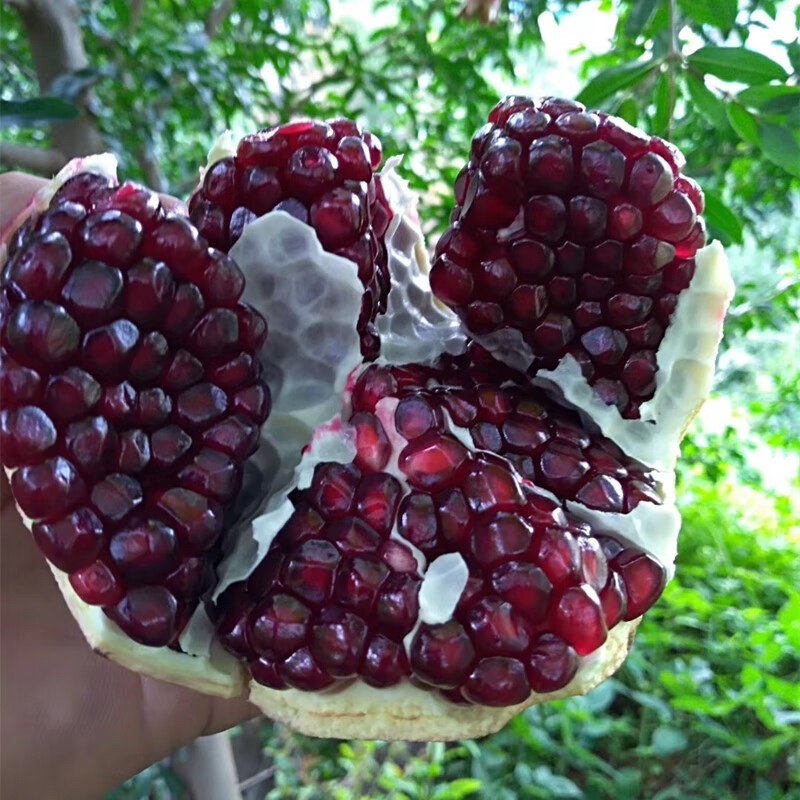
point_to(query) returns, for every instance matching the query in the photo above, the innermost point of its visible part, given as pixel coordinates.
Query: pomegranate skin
(123, 433)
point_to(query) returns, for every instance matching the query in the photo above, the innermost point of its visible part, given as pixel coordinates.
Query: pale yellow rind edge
(406, 713)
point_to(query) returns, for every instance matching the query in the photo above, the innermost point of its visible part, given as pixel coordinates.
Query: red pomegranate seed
(277, 626)
(442, 655)
(497, 681)
(385, 662)
(148, 614)
(96, 584)
(644, 580)
(552, 664)
(300, 671)
(338, 641)
(71, 542)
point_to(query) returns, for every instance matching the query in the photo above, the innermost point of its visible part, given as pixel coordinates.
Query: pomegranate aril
(558, 555)
(197, 520)
(278, 625)
(185, 309)
(111, 237)
(71, 542)
(310, 570)
(337, 642)
(36, 271)
(506, 538)
(232, 627)
(149, 292)
(266, 673)
(385, 662)
(133, 453)
(497, 681)
(376, 500)
(613, 599)
(525, 586)
(63, 218)
(496, 628)
(644, 578)
(212, 474)
(300, 671)
(184, 370)
(168, 446)
(431, 461)
(442, 655)
(96, 584)
(26, 435)
(234, 435)
(148, 614)
(116, 496)
(190, 579)
(333, 488)
(144, 550)
(42, 331)
(603, 493)
(49, 489)
(397, 604)
(417, 522)
(578, 619)
(552, 664)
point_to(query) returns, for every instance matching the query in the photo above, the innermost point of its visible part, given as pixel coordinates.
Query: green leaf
(780, 146)
(743, 122)
(36, 111)
(707, 103)
(737, 64)
(726, 224)
(770, 98)
(668, 740)
(719, 13)
(641, 14)
(556, 785)
(614, 80)
(789, 618)
(458, 789)
(662, 95)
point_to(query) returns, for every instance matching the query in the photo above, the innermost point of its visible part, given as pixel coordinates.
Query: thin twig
(254, 780)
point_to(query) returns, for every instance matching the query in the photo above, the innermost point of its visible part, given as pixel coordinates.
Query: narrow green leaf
(641, 14)
(36, 111)
(771, 98)
(743, 122)
(613, 80)
(662, 95)
(725, 223)
(719, 13)
(736, 64)
(781, 147)
(707, 103)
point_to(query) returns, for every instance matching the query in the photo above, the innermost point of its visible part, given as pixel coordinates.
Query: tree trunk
(56, 41)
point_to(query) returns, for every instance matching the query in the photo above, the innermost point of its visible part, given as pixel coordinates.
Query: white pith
(685, 359)
(415, 328)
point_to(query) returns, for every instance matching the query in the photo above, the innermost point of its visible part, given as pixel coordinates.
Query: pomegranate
(456, 507)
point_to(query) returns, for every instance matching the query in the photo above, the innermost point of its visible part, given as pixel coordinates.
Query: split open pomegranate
(390, 519)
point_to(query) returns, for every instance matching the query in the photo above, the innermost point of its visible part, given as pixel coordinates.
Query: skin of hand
(74, 725)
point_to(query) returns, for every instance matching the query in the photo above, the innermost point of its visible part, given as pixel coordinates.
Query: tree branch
(56, 41)
(218, 14)
(31, 159)
(208, 770)
(153, 175)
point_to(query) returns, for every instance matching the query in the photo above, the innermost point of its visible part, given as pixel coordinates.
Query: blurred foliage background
(708, 704)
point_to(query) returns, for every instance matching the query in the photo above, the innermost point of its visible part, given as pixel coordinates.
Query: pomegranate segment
(581, 234)
(440, 555)
(322, 173)
(123, 442)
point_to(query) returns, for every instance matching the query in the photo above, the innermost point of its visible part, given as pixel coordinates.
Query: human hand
(72, 724)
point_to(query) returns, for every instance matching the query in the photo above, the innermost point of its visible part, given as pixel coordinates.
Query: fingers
(16, 191)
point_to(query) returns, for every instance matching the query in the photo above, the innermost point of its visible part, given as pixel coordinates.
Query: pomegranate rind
(218, 674)
(406, 713)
